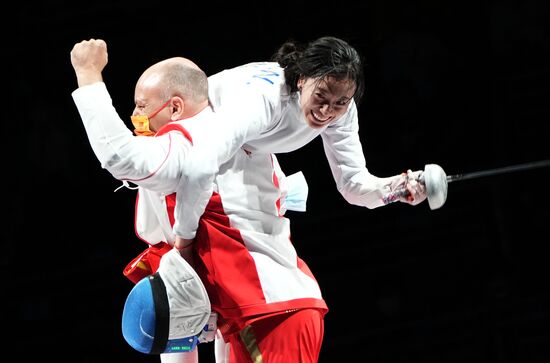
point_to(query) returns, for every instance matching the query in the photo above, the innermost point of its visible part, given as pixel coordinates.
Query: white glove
(411, 183)
(416, 188)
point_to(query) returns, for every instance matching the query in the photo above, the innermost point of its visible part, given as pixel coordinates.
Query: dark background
(461, 84)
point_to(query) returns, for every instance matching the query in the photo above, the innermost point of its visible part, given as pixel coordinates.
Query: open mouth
(320, 119)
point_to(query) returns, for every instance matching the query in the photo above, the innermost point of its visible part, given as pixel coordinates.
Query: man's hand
(185, 248)
(88, 58)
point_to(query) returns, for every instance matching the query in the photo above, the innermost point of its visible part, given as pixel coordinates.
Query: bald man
(170, 90)
(249, 198)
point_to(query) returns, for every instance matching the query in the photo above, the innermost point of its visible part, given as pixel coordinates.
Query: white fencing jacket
(258, 114)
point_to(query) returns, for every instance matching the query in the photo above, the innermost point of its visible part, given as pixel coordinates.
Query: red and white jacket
(243, 247)
(244, 251)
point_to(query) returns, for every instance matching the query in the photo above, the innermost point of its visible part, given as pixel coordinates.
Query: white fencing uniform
(257, 113)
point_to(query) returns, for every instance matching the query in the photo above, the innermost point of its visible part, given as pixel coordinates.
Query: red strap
(172, 126)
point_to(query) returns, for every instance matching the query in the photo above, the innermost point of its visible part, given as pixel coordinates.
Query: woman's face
(324, 100)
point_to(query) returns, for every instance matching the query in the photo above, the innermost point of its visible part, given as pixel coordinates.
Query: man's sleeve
(154, 163)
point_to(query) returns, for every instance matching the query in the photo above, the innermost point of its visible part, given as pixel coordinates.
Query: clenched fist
(89, 58)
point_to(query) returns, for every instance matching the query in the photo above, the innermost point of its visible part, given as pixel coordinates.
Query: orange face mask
(141, 122)
(141, 125)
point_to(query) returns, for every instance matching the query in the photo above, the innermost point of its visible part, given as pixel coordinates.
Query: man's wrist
(182, 243)
(87, 78)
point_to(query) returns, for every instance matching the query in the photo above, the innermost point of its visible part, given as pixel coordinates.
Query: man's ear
(178, 108)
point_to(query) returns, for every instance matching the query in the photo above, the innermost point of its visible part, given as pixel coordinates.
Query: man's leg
(189, 357)
(284, 338)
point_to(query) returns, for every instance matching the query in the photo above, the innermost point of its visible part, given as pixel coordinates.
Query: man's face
(148, 102)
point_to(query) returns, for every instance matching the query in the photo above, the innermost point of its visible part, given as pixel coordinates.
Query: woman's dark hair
(326, 56)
